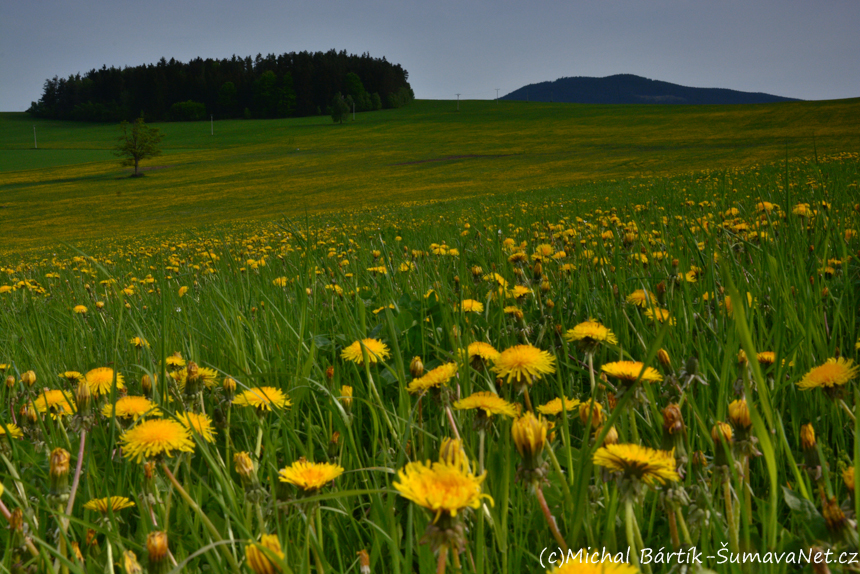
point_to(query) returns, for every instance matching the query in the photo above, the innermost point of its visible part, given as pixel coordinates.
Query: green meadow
(71, 188)
(434, 341)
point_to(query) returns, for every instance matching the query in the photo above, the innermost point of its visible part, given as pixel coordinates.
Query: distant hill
(630, 89)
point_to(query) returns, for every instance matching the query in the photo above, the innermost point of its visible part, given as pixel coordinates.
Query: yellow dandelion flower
(198, 423)
(72, 377)
(441, 488)
(659, 315)
(483, 351)
(263, 399)
(630, 371)
(155, 438)
(310, 476)
(514, 310)
(112, 503)
(554, 406)
(524, 363)
(377, 351)
(835, 372)
(11, 430)
(175, 361)
(602, 565)
(529, 434)
(58, 403)
(435, 378)
(489, 403)
(131, 407)
(258, 560)
(590, 333)
(642, 298)
(80, 310)
(519, 291)
(100, 380)
(471, 306)
(639, 462)
(138, 342)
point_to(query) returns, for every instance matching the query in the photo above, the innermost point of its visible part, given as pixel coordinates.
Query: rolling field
(70, 190)
(435, 342)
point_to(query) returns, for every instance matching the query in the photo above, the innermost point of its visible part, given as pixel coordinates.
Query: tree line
(293, 84)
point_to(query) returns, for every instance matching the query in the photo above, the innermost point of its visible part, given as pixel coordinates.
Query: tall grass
(276, 305)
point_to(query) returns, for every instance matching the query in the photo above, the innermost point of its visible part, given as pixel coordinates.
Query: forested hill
(630, 89)
(294, 84)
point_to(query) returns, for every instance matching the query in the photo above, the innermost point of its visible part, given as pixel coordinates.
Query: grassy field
(686, 279)
(69, 189)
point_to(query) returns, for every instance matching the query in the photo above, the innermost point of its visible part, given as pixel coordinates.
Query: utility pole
(35, 145)
(497, 94)
(458, 104)
(212, 123)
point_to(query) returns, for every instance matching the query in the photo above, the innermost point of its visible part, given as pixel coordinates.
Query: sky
(794, 48)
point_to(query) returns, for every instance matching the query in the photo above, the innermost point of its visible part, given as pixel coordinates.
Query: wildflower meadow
(629, 366)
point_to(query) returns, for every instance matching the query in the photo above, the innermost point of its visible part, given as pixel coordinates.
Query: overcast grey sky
(796, 48)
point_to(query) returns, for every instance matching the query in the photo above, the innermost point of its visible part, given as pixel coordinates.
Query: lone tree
(137, 142)
(339, 108)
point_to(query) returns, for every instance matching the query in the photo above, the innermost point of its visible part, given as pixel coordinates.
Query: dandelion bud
(258, 561)
(10, 381)
(244, 465)
(611, 436)
(416, 367)
(451, 452)
(193, 380)
(721, 433)
(59, 473)
(229, 387)
(742, 357)
(699, 460)
(83, 395)
(673, 422)
(818, 560)
(329, 373)
(811, 459)
(76, 552)
(92, 538)
(833, 515)
(739, 415)
(664, 359)
(29, 378)
(591, 410)
(529, 435)
(156, 547)
(363, 561)
(611, 400)
(537, 270)
(149, 470)
(130, 563)
(146, 385)
(28, 414)
(807, 437)
(545, 286)
(848, 479)
(334, 444)
(346, 397)
(16, 520)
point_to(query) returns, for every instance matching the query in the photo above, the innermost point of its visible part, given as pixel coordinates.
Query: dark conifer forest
(294, 84)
